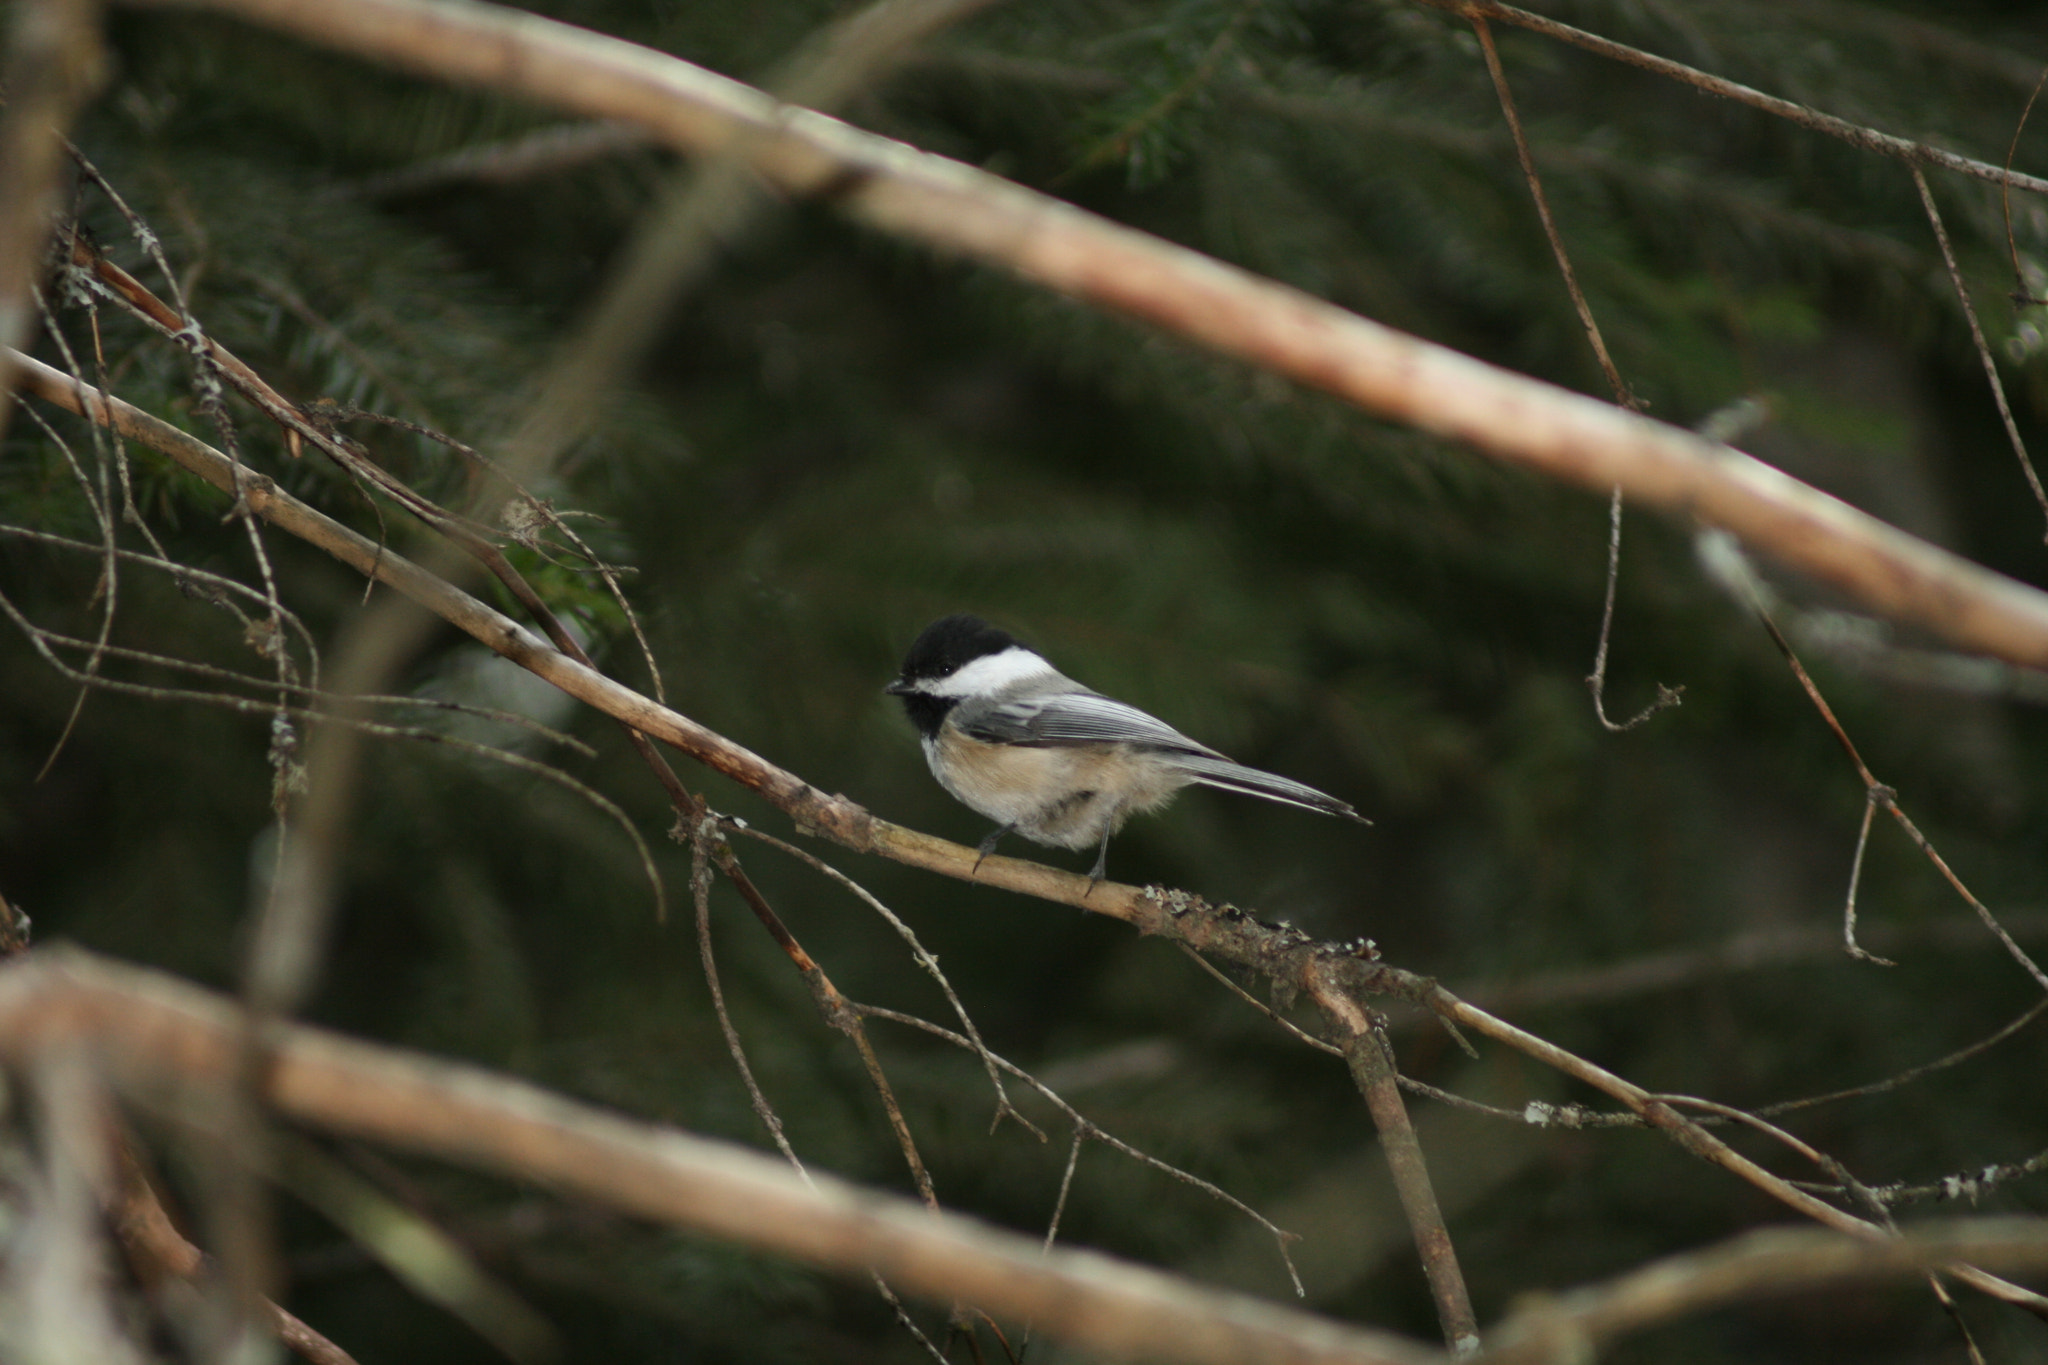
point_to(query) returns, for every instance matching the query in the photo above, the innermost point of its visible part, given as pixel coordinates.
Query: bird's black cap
(946, 644)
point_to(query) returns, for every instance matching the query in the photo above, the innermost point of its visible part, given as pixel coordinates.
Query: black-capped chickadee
(1013, 738)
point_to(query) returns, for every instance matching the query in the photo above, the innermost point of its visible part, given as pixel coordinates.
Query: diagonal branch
(1773, 1261)
(160, 1040)
(1372, 1069)
(1855, 134)
(955, 208)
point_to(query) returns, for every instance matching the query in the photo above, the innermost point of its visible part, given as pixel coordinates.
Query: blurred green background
(838, 437)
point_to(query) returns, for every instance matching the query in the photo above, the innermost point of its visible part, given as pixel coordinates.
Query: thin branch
(1699, 1141)
(703, 840)
(1749, 1120)
(1085, 1127)
(1725, 563)
(1873, 797)
(1501, 90)
(1881, 795)
(416, 1252)
(331, 711)
(215, 589)
(1596, 681)
(1755, 950)
(545, 151)
(1301, 1034)
(1955, 275)
(1971, 1185)
(1773, 1261)
(1856, 135)
(1912, 1074)
(2022, 292)
(156, 1250)
(930, 964)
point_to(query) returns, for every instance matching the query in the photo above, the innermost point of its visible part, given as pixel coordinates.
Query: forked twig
(930, 964)
(1596, 681)
(1084, 1127)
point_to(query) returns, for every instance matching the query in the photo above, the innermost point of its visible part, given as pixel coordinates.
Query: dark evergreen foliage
(839, 437)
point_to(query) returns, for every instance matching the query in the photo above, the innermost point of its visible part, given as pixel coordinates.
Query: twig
(1086, 1127)
(108, 588)
(1596, 681)
(2022, 291)
(1869, 139)
(1873, 797)
(1970, 1185)
(1911, 1073)
(700, 895)
(330, 709)
(1301, 1034)
(1755, 950)
(1697, 1140)
(703, 840)
(528, 156)
(1620, 390)
(1955, 275)
(1750, 1120)
(1879, 794)
(416, 1252)
(930, 964)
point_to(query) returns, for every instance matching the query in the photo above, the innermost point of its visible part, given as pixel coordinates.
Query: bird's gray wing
(1077, 718)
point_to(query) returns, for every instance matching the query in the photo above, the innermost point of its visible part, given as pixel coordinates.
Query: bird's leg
(988, 846)
(1101, 861)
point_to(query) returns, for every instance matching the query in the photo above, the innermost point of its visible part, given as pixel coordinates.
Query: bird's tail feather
(1221, 772)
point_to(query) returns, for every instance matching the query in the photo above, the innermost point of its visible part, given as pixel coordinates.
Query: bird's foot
(988, 846)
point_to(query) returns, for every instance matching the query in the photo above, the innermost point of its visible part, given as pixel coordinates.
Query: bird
(1016, 740)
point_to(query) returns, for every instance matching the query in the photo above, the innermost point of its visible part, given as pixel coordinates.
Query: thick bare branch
(956, 208)
(160, 1040)
(1372, 1070)
(53, 62)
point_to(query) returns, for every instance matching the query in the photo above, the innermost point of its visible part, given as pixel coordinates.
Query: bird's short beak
(898, 688)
